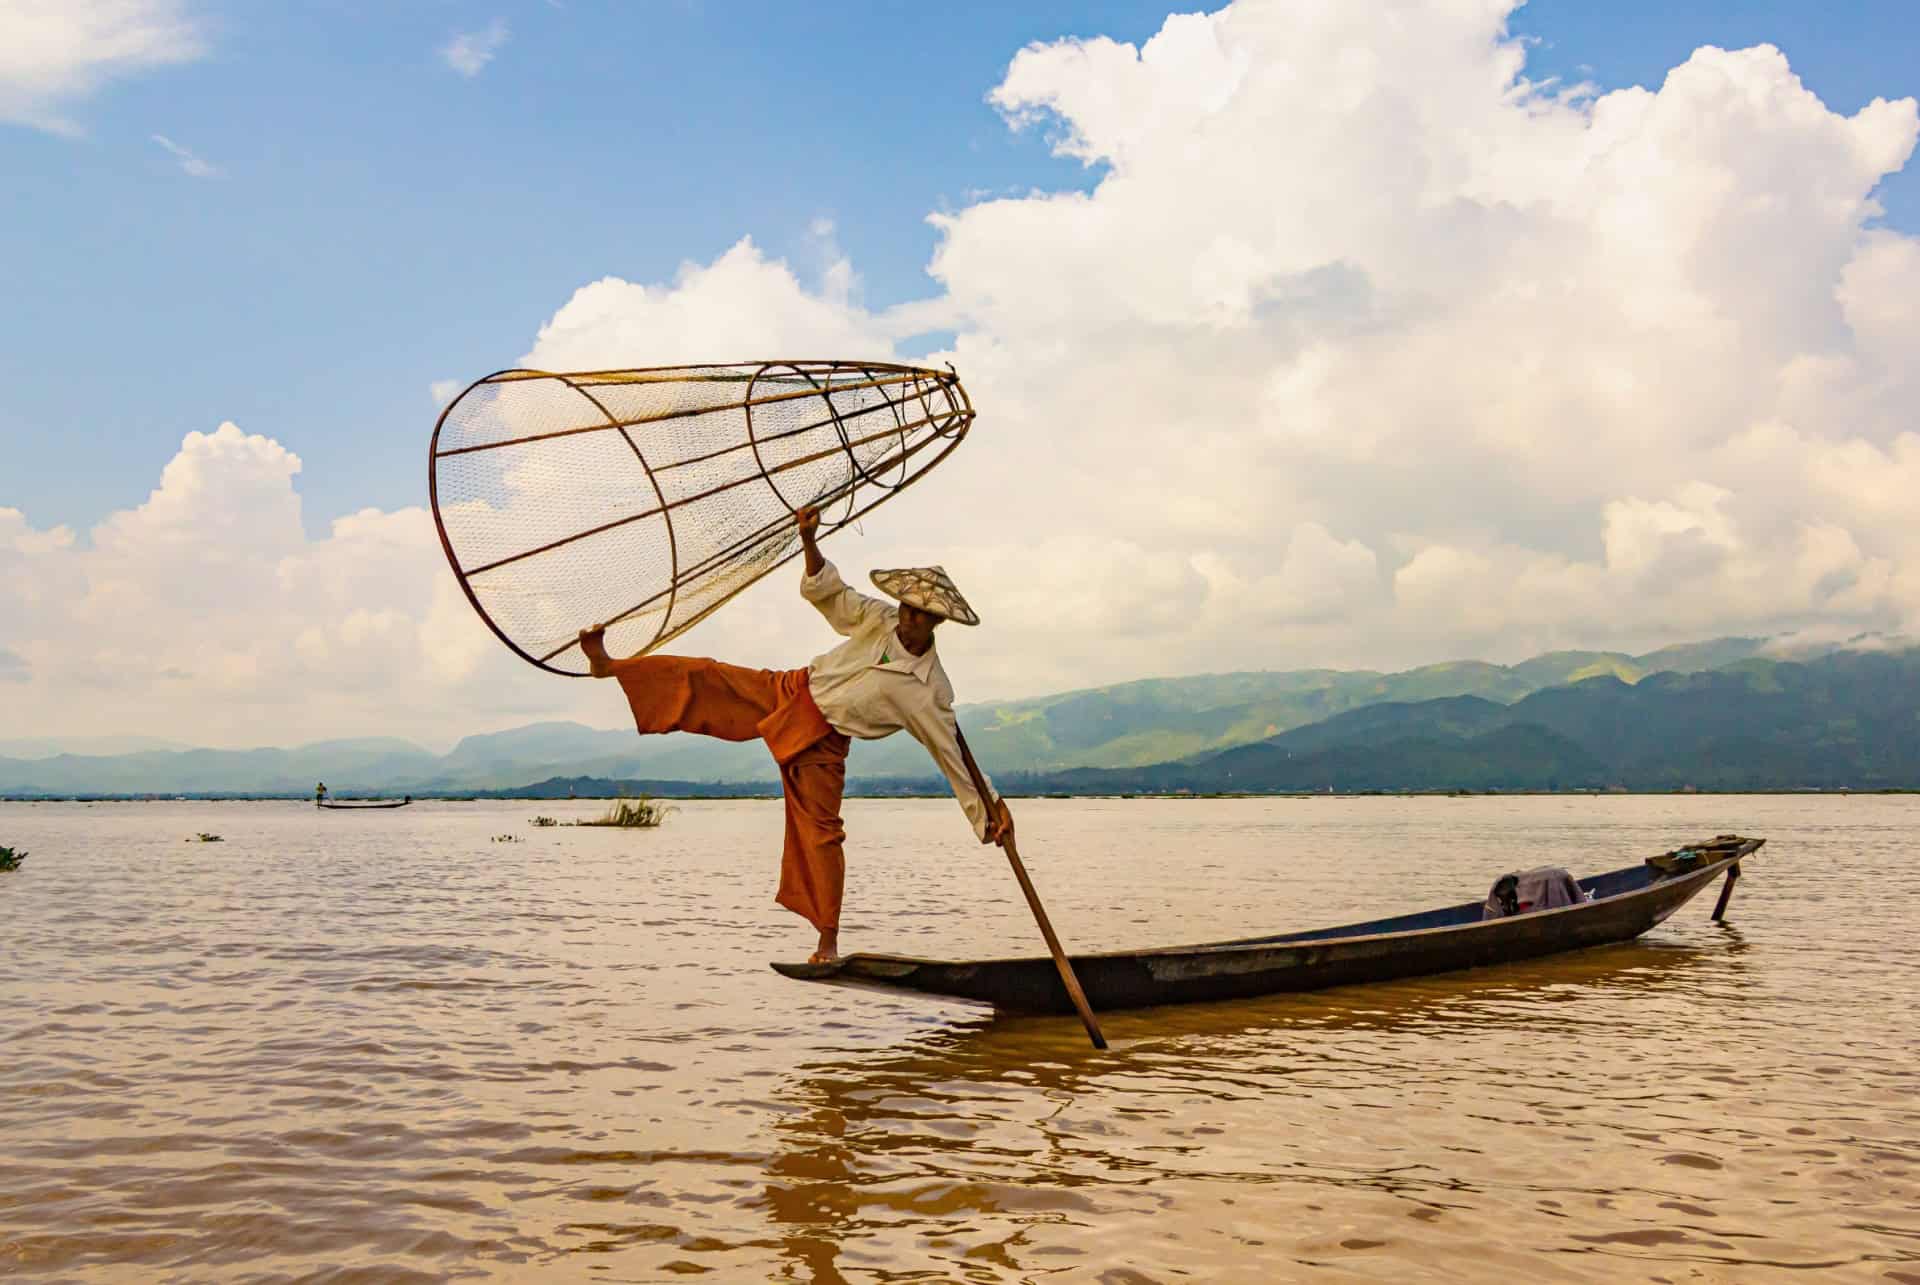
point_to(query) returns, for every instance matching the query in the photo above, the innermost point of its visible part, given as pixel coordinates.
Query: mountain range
(1850, 720)
(1566, 719)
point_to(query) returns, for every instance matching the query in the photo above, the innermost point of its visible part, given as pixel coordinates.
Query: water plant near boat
(10, 860)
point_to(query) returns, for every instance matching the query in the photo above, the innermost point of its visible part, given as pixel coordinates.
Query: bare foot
(593, 645)
(828, 949)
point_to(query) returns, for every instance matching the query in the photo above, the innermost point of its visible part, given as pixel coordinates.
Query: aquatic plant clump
(631, 814)
(10, 860)
(542, 822)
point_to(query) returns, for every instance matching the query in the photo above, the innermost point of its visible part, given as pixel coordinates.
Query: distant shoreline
(771, 795)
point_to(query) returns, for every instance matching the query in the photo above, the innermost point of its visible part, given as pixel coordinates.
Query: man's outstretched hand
(1000, 824)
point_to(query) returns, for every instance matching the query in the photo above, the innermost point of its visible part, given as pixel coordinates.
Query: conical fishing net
(645, 499)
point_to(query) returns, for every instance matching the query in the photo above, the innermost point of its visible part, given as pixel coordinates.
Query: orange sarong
(692, 694)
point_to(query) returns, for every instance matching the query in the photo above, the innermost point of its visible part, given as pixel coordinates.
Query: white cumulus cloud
(469, 52)
(742, 306)
(1562, 364)
(207, 610)
(54, 53)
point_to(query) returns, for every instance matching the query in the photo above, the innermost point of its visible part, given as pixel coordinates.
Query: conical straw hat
(928, 588)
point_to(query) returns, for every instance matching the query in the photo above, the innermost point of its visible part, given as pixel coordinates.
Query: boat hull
(1438, 941)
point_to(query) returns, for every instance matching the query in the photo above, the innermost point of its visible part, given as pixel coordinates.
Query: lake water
(381, 1047)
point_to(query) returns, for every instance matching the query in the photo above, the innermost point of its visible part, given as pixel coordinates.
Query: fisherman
(885, 678)
(320, 794)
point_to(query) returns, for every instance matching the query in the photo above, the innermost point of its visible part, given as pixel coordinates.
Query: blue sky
(378, 222)
(1399, 368)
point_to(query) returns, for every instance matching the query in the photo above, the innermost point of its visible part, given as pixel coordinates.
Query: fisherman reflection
(962, 1142)
(889, 1145)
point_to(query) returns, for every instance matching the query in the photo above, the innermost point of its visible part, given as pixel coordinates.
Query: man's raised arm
(822, 586)
(808, 520)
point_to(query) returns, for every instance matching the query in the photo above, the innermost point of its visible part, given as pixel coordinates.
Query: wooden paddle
(1726, 893)
(1060, 961)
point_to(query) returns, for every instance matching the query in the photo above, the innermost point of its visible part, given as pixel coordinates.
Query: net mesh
(645, 499)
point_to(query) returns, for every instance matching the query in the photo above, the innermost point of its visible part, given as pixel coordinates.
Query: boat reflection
(963, 1138)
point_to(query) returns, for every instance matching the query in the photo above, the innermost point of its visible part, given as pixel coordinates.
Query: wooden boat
(364, 805)
(1625, 903)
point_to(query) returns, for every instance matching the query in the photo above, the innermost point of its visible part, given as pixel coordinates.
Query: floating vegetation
(204, 837)
(542, 822)
(10, 860)
(506, 838)
(631, 814)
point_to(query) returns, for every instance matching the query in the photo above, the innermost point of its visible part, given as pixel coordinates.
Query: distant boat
(362, 805)
(1625, 903)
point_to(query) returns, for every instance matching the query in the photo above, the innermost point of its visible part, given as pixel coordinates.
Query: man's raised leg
(693, 694)
(593, 645)
(708, 698)
(686, 693)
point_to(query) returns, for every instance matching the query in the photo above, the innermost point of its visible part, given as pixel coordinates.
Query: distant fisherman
(885, 678)
(319, 794)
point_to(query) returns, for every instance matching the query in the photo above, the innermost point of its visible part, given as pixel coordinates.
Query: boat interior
(1600, 887)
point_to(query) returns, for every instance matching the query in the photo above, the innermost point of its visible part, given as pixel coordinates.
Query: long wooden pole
(1060, 961)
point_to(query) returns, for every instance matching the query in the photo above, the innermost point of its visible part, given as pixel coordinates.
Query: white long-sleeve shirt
(871, 686)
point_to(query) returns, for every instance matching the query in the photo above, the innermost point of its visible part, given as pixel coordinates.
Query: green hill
(1850, 720)
(1158, 720)
(1147, 727)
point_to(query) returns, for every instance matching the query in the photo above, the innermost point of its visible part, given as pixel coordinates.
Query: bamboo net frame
(645, 499)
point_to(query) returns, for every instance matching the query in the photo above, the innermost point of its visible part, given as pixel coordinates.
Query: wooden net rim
(920, 382)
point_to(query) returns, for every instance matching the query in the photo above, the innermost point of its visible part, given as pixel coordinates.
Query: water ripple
(394, 1054)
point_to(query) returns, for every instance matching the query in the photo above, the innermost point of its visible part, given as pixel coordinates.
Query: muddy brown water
(380, 1047)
